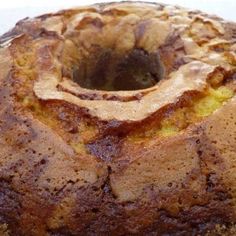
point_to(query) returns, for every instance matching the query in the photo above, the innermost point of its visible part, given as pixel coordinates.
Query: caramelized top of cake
(119, 119)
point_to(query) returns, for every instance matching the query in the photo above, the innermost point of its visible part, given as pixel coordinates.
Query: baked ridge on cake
(118, 119)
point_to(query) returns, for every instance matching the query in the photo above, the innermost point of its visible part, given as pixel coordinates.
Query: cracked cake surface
(118, 119)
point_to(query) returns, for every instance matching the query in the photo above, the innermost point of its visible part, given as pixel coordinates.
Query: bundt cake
(118, 119)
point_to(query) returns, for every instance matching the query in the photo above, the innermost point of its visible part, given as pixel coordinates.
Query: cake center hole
(107, 70)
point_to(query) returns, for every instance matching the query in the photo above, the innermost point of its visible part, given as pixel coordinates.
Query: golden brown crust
(152, 161)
